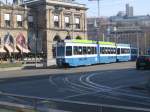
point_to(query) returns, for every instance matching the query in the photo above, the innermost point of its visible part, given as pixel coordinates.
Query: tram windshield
(134, 51)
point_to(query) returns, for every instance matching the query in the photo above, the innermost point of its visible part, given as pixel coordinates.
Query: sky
(112, 7)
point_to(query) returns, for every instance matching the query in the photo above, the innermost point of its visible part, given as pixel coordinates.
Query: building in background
(98, 28)
(123, 28)
(129, 10)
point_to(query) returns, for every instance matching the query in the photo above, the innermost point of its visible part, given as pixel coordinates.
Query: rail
(46, 104)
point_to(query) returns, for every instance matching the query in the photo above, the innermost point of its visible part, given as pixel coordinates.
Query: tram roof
(82, 41)
(124, 45)
(106, 43)
(90, 42)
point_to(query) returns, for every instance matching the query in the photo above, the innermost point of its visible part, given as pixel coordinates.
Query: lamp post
(98, 16)
(108, 34)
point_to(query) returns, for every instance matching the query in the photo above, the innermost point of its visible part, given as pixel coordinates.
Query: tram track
(104, 91)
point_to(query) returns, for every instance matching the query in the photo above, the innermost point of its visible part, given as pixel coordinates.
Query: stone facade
(42, 23)
(51, 17)
(9, 13)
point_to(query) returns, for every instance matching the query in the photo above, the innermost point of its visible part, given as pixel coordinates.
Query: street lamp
(98, 14)
(108, 34)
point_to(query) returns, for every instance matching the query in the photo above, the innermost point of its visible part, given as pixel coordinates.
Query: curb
(10, 69)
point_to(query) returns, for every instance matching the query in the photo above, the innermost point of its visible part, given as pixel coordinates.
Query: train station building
(38, 24)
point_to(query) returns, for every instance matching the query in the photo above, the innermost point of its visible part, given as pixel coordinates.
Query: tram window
(69, 51)
(93, 50)
(125, 51)
(106, 50)
(80, 50)
(89, 51)
(75, 49)
(109, 50)
(118, 51)
(114, 50)
(101, 50)
(84, 50)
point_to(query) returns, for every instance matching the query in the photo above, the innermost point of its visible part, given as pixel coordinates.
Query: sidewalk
(10, 69)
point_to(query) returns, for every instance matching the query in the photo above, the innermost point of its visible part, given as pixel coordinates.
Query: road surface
(113, 84)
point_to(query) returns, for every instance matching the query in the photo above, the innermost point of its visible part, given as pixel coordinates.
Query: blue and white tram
(123, 52)
(88, 52)
(76, 53)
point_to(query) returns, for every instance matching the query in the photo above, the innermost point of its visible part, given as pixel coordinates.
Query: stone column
(72, 27)
(62, 19)
(50, 61)
(25, 16)
(85, 26)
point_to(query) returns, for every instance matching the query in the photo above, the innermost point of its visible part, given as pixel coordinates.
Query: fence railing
(28, 103)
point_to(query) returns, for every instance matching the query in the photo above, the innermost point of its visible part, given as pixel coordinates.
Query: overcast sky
(111, 7)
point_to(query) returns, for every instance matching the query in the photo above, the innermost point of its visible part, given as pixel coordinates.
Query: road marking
(51, 81)
(103, 89)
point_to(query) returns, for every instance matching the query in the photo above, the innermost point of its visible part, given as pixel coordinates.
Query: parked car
(143, 62)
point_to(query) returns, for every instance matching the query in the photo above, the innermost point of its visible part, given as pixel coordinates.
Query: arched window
(78, 37)
(57, 38)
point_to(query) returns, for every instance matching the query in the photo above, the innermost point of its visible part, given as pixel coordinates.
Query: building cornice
(66, 4)
(54, 2)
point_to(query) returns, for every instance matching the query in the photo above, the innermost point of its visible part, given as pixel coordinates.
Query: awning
(2, 50)
(22, 49)
(11, 49)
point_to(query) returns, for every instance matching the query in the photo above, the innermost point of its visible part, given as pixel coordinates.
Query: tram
(89, 52)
